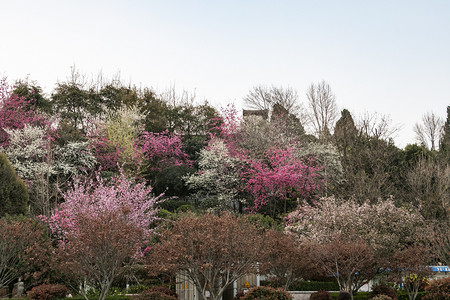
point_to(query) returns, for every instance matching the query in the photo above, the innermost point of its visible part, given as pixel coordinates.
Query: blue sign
(440, 268)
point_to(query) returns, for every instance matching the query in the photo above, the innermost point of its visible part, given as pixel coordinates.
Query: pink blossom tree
(280, 176)
(87, 206)
(15, 111)
(163, 149)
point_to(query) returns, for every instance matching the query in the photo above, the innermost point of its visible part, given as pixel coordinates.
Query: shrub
(13, 191)
(239, 295)
(157, 293)
(164, 290)
(381, 297)
(321, 295)
(344, 296)
(315, 286)
(137, 288)
(383, 289)
(48, 292)
(438, 289)
(266, 293)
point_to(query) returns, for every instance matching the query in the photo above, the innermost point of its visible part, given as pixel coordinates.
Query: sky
(386, 57)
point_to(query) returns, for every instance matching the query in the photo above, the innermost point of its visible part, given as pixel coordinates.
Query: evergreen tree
(13, 191)
(445, 139)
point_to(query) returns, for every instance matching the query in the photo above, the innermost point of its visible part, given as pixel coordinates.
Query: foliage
(321, 295)
(278, 177)
(351, 263)
(119, 193)
(314, 286)
(381, 297)
(32, 92)
(115, 142)
(344, 296)
(384, 226)
(13, 191)
(211, 251)
(48, 292)
(163, 149)
(409, 268)
(326, 157)
(383, 289)
(15, 111)
(24, 250)
(286, 260)
(219, 176)
(266, 293)
(98, 249)
(157, 293)
(44, 165)
(101, 227)
(377, 231)
(438, 289)
(154, 295)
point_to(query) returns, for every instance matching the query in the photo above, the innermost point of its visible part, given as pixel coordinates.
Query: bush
(381, 297)
(404, 296)
(321, 295)
(157, 293)
(438, 289)
(344, 296)
(137, 288)
(266, 293)
(48, 292)
(314, 286)
(383, 289)
(13, 191)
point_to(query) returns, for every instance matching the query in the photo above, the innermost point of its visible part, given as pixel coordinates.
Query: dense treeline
(92, 148)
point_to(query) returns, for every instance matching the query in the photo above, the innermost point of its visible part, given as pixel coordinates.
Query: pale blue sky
(392, 57)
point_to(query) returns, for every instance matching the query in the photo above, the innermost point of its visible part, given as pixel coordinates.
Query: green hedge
(358, 296)
(314, 286)
(404, 296)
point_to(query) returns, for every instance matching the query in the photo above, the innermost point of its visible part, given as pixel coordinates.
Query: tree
(376, 126)
(99, 249)
(15, 112)
(101, 226)
(381, 228)
(371, 164)
(429, 132)
(31, 92)
(265, 98)
(427, 182)
(440, 241)
(286, 259)
(409, 268)
(327, 159)
(24, 250)
(211, 251)
(323, 109)
(13, 191)
(351, 262)
(44, 165)
(278, 177)
(444, 146)
(218, 181)
(115, 142)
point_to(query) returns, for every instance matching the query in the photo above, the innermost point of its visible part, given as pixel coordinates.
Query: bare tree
(175, 98)
(377, 125)
(429, 132)
(262, 97)
(323, 109)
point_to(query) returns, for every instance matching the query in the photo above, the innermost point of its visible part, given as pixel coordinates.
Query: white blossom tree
(43, 165)
(218, 180)
(383, 228)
